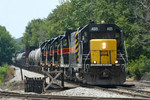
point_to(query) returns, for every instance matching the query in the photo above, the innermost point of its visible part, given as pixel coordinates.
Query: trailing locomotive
(92, 54)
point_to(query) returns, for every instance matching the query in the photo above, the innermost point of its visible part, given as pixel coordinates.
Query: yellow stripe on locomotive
(103, 51)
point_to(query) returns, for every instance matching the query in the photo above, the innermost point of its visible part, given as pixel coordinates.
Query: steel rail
(123, 92)
(135, 90)
(58, 97)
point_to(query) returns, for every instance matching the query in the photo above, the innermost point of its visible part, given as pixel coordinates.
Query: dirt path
(17, 76)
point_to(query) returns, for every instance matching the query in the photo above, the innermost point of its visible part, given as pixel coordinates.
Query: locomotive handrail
(123, 60)
(81, 29)
(122, 57)
(126, 51)
(126, 54)
(86, 60)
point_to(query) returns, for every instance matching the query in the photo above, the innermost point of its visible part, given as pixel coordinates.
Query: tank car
(34, 57)
(20, 58)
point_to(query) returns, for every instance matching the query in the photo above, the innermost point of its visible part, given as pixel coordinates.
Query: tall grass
(3, 72)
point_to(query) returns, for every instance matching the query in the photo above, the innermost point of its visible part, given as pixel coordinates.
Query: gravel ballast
(88, 92)
(78, 91)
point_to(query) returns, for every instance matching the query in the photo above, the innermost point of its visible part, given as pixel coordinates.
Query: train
(92, 54)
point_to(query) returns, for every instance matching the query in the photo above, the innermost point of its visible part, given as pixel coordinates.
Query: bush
(3, 72)
(139, 67)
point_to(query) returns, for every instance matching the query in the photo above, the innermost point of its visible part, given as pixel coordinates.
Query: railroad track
(146, 82)
(137, 91)
(127, 91)
(56, 97)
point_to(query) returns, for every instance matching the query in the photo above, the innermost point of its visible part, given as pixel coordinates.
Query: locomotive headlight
(116, 62)
(104, 45)
(94, 62)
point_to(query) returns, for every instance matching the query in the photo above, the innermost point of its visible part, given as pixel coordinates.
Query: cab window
(64, 42)
(85, 37)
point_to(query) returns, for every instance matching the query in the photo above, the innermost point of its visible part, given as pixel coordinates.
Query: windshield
(102, 36)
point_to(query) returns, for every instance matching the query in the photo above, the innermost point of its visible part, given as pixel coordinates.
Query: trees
(33, 33)
(139, 43)
(7, 46)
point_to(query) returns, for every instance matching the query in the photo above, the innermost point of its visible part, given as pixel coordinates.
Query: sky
(16, 14)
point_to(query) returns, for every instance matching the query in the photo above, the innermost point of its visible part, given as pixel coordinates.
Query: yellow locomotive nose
(103, 51)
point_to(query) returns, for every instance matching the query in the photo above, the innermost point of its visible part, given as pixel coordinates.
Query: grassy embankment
(5, 71)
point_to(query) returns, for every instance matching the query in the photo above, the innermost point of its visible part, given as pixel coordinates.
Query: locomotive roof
(59, 37)
(43, 43)
(94, 27)
(50, 41)
(69, 32)
(99, 26)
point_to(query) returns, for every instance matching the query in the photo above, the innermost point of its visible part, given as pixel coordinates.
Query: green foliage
(3, 72)
(139, 66)
(148, 74)
(7, 46)
(19, 45)
(33, 34)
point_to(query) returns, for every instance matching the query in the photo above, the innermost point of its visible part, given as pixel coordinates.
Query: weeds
(5, 70)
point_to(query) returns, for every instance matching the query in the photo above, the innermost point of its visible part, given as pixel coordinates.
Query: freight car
(92, 54)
